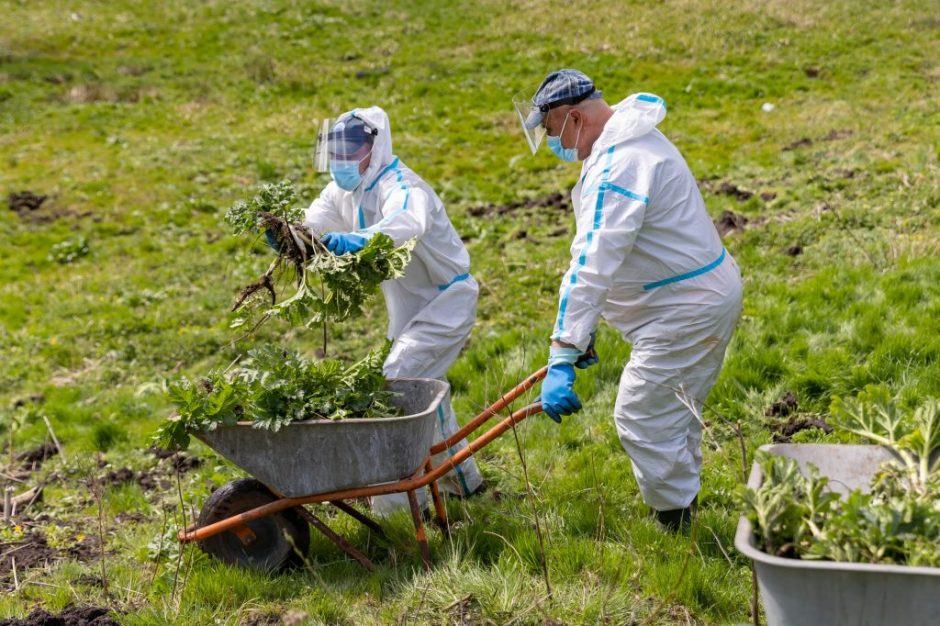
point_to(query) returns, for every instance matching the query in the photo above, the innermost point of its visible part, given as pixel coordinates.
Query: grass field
(143, 122)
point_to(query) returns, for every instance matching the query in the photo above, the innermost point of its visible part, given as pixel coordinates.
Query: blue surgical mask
(563, 153)
(346, 174)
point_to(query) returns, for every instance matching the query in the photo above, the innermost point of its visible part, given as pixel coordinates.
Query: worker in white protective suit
(647, 258)
(432, 308)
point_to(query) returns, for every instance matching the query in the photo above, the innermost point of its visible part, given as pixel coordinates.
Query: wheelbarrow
(262, 523)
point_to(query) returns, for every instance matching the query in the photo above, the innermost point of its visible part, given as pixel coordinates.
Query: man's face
(561, 122)
(363, 155)
(554, 120)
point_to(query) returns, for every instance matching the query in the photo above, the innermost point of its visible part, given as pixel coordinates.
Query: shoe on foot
(675, 520)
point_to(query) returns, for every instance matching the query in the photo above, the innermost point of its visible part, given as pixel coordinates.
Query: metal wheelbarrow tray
(317, 456)
(261, 522)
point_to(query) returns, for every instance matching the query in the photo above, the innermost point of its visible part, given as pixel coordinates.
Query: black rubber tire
(270, 550)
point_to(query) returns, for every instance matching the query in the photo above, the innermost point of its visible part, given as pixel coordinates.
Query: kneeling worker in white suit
(647, 258)
(432, 308)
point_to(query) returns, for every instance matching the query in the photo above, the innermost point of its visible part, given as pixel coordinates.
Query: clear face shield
(341, 142)
(530, 118)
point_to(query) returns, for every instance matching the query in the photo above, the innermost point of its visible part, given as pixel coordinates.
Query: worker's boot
(675, 520)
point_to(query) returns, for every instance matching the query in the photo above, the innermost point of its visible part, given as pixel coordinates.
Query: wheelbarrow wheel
(270, 543)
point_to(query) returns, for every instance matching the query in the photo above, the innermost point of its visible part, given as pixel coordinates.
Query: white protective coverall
(647, 258)
(432, 308)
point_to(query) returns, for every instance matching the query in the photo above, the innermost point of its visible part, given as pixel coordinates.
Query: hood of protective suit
(382, 147)
(633, 117)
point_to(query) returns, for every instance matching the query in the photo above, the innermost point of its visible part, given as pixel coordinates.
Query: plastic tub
(806, 593)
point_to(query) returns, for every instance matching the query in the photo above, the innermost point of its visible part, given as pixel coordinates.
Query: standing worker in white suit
(432, 308)
(647, 258)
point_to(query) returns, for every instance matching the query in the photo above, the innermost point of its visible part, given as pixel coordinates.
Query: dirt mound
(70, 616)
(730, 222)
(32, 459)
(25, 201)
(784, 406)
(783, 432)
(35, 551)
(180, 461)
(556, 200)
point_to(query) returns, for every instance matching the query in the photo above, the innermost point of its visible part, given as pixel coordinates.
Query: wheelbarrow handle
(492, 410)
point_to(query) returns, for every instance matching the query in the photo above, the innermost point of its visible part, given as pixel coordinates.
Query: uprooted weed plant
(330, 287)
(896, 522)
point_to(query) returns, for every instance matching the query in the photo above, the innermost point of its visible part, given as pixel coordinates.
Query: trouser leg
(426, 348)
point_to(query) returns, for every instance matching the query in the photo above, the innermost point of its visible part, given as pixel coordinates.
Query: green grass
(145, 124)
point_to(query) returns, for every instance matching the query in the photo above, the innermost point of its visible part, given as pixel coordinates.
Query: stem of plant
(535, 514)
(323, 295)
(179, 558)
(96, 491)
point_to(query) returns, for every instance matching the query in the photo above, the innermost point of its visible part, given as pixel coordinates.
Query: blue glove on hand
(272, 240)
(588, 357)
(344, 243)
(558, 396)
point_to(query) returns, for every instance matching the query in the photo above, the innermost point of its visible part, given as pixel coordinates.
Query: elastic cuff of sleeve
(558, 355)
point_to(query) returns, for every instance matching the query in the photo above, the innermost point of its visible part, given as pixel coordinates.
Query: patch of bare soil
(556, 200)
(258, 618)
(32, 459)
(730, 222)
(784, 406)
(34, 209)
(70, 616)
(34, 551)
(180, 461)
(148, 480)
(730, 189)
(784, 429)
(783, 432)
(25, 201)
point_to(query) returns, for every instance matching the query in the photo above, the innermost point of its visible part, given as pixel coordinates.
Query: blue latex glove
(344, 243)
(558, 396)
(272, 240)
(588, 357)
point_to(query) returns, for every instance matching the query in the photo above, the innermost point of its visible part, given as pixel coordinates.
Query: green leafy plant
(897, 521)
(330, 287)
(70, 250)
(275, 387)
(335, 287)
(276, 199)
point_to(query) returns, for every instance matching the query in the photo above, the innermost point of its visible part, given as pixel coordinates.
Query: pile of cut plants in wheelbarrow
(850, 534)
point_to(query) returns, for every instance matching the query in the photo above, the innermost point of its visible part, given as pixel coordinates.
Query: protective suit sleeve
(614, 198)
(406, 213)
(324, 214)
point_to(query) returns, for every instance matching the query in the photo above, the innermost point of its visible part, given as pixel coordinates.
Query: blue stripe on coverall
(400, 179)
(648, 97)
(680, 277)
(391, 166)
(450, 449)
(602, 188)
